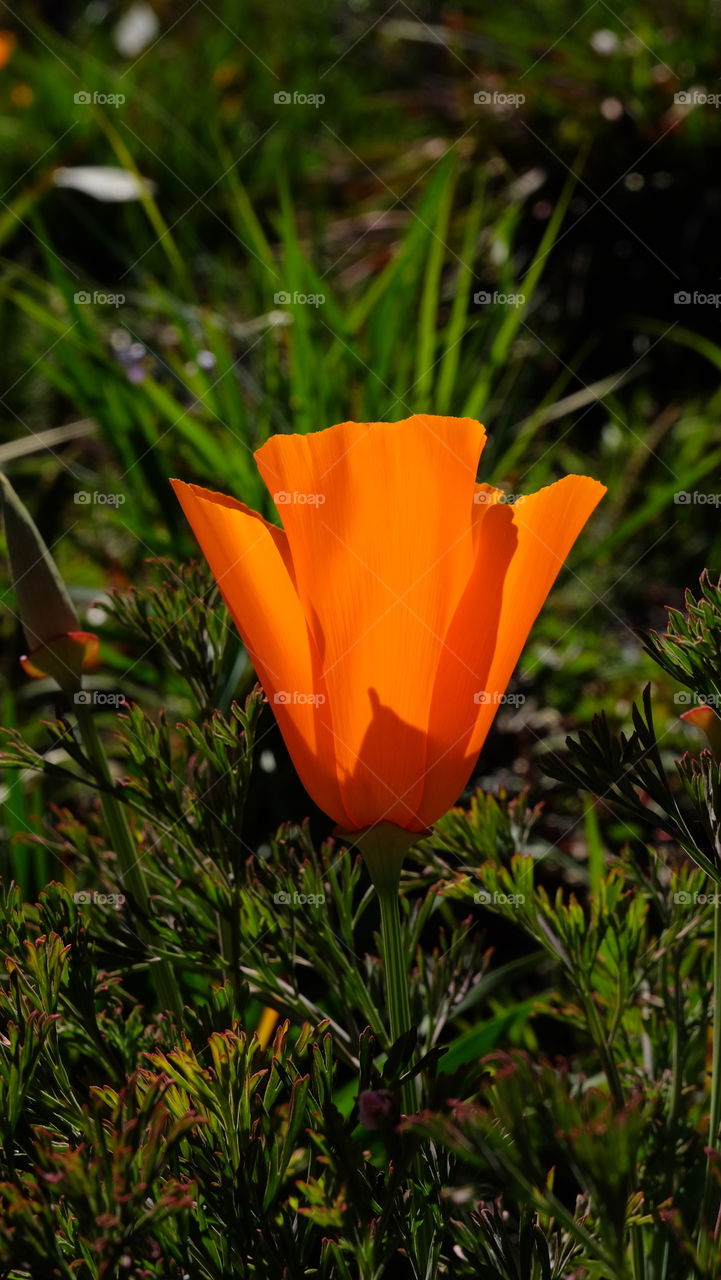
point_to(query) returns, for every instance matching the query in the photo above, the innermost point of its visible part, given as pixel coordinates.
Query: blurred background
(218, 222)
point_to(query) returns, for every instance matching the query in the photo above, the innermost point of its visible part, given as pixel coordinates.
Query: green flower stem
(638, 1253)
(131, 871)
(614, 1080)
(384, 847)
(396, 974)
(605, 1051)
(676, 1090)
(715, 1112)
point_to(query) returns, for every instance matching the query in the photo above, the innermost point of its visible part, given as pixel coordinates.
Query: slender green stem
(131, 871)
(676, 1053)
(611, 1071)
(639, 1256)
(604, 1048)
(225, 944)
(396, 972)
(708, 1207)
(384, 847)
(675, 1102)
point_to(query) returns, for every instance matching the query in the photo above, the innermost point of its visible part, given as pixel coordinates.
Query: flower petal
(706, 719)
(520, 550)
(63, 656)
(251, 563)
(379, 518)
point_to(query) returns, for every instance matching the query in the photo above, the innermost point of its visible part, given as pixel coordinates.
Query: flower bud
(57, 646)
(705, 719)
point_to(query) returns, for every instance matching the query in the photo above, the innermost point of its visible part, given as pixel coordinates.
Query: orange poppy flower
(707, 720)
(385, 618)
(7, 44)
(63, 657)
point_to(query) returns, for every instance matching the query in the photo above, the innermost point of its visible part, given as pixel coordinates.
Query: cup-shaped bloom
(706, 719)
(385, 618)
(58, 647)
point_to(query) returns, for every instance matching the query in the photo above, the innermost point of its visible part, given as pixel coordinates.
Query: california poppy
(385, 618)
(707, 720)
(7, 44)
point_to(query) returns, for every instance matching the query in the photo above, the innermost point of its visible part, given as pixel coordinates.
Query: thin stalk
(131, 871)
(707, 1206)
(614, 1080)
(639, 1257)
(396, 972)
(676, 1063)
(604, 1049)
(675, 1103)
(226, 948)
